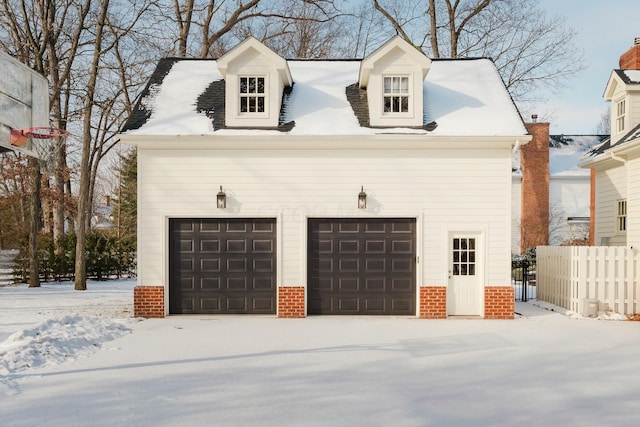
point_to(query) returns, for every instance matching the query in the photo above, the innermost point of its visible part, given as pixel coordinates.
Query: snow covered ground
(72, 358)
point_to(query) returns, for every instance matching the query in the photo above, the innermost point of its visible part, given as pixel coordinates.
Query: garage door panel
(186, 246)
(187, 264)
(210, 265)
(400, 305)
(375, 284)
(350, 265)
(237, 246)
(263, 265)
(209, 226)
(348, 284)
(375, 265)
(358, 277)
(401, 284)
(236, 304)
(401, 246)
(402, 265)
(187, 283)
(375, 246)
(236, 283)
(263, 283)
(375, 227)
(263, 304)
(210, 284)
(227, 266)
(237, 265)
(349, 247)
(209, 304)
(375, 305)
(209, 246)
(262, 246)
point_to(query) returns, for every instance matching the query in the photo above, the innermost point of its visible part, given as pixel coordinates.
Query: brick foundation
(291, 302)
(148, 301)
(499, 302)
(433, 302)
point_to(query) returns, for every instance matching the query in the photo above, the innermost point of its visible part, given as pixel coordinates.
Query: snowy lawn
(544, 368)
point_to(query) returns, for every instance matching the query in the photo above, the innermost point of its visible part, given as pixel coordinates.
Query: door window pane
(463, 257)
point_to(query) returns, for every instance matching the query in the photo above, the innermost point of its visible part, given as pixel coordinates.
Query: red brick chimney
(630, 60)
(534, 162)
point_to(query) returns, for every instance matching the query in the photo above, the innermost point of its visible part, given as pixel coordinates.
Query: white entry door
(464, 294)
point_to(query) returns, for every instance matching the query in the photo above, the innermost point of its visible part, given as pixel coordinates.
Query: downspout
(516, 146)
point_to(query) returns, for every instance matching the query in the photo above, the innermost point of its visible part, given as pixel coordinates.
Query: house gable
(623, 92)
(255, 80)
(393, 77)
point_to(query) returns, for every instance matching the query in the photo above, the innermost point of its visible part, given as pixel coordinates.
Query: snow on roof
(464, 97)
(565, 152)
(633, 75)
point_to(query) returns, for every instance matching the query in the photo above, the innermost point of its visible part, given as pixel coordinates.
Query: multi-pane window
(396, 94)
(252, 95)
(620, 113)
(621, 216)
(464, 256)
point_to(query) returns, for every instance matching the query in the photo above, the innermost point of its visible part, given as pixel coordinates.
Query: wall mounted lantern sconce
(362, 198)
(221, 199)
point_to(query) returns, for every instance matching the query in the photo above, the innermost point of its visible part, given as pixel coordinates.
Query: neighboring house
(294, 188)
(102, 218)
(567, 190)
(615, 164)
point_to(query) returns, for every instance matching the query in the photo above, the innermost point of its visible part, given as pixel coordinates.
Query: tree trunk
(34, 268)
(84, 206)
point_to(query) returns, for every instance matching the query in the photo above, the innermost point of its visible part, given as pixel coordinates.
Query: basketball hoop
(45, 142)
(38, 133)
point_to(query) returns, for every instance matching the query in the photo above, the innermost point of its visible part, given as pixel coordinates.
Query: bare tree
(206, 28)
(531, 50)
(604, 125)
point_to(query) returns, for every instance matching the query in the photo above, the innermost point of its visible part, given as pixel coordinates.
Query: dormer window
(393, 76)
(255, 78)
(396, 94)
(252, 94)
(620, 114)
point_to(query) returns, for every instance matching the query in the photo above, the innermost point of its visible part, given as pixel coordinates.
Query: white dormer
(394, 77)
(623, 92)
(255, 77)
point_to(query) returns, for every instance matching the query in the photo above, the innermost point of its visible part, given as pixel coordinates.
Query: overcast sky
(607, 29)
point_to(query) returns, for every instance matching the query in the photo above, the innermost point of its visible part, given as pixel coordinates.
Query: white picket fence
(579, 277)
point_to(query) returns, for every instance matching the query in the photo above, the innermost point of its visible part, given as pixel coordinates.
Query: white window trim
(264, 95)
(408, 94)
(621, 216)
(620, 116)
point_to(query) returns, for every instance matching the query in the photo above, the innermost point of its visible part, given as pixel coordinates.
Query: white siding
(611, 186)
(633, 108)
(446, 190)
(633, 203)
(568, 197)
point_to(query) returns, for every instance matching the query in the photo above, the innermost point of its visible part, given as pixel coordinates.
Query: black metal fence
(523, 279)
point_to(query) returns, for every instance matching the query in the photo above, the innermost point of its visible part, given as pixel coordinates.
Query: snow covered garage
(293, 188)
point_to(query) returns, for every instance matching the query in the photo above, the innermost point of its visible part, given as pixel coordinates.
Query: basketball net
(45, 142)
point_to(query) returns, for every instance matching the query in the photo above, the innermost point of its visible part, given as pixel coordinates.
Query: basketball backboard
(24, 101)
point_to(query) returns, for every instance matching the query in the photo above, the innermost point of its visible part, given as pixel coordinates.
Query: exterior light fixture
(221, 199)
(362, 198)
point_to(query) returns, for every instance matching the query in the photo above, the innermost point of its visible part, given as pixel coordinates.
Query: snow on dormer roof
(463, 96)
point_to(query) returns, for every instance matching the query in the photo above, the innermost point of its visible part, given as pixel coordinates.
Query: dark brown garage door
(222, 266)
(361, 266)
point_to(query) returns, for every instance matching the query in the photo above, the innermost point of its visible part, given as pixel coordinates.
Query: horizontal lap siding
(610, 187)
(633, 204)
(445, 187)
